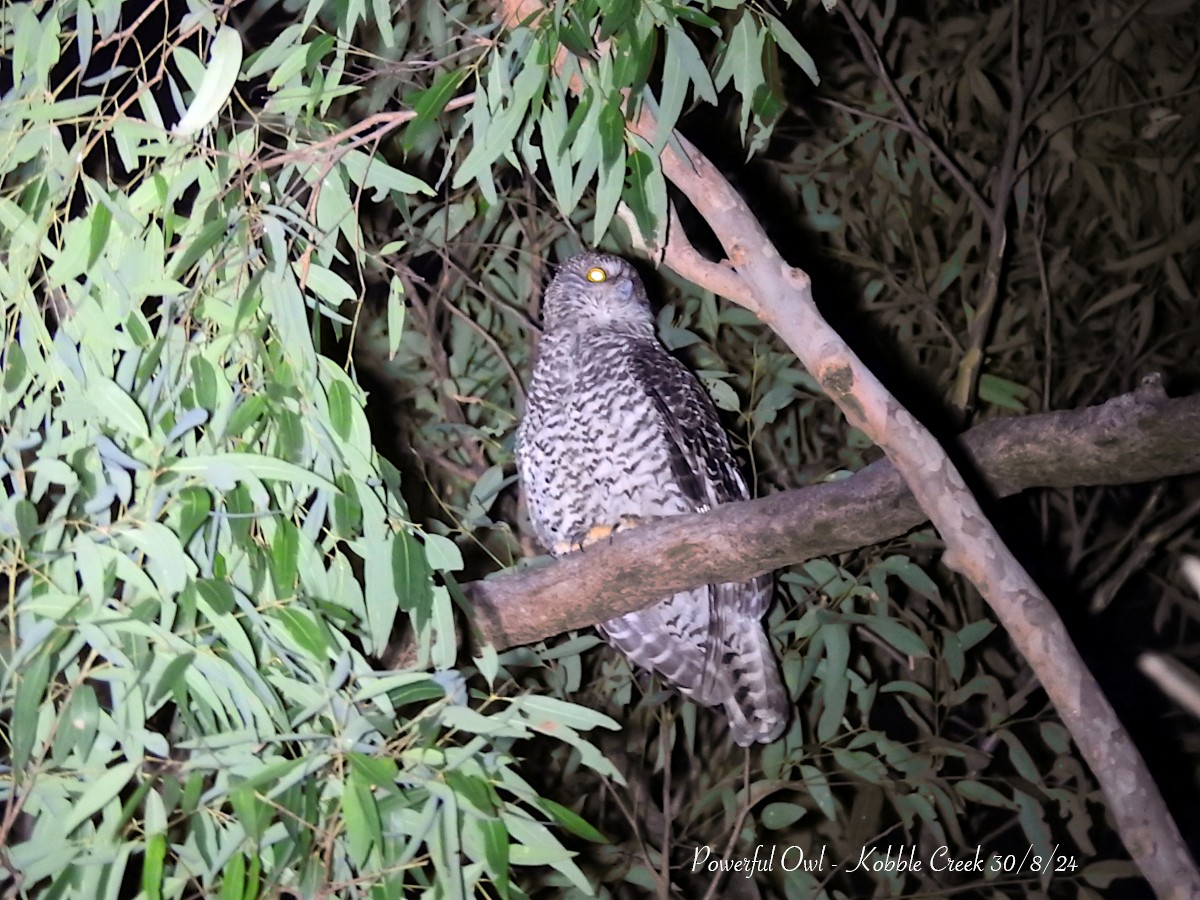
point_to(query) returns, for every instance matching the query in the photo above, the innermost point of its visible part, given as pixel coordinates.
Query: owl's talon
(562, 548)
(579, 541)
(627, 522)
(582, 540)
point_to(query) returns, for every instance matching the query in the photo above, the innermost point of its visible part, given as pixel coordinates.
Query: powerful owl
(617, 432)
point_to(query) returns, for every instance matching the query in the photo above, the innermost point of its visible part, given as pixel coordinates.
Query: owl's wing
(703, 467)
(700, 457)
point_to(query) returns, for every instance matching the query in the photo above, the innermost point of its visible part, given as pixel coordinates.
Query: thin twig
(744, 811)
(1180, 684)
(875, 61)
(664, 852)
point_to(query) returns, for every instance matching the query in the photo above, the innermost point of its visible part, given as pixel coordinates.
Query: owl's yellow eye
(596, 275)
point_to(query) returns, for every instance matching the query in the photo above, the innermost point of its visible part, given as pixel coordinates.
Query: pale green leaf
(99, 793)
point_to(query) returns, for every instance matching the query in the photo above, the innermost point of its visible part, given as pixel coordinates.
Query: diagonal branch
(973, 546)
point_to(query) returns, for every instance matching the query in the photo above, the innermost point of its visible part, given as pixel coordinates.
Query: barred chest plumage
(591, 436)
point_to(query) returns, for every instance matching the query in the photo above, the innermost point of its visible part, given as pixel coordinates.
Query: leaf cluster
(202, 555)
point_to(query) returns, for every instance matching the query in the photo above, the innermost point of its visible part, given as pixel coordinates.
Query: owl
(617, 432)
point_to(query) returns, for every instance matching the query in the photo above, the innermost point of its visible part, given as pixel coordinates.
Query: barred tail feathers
(674, 645)
(757, 705)
(729, 665)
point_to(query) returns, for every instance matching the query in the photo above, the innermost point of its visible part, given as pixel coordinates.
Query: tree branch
(1138, 437)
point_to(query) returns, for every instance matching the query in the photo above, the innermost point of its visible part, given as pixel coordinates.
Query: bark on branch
(1138, 437)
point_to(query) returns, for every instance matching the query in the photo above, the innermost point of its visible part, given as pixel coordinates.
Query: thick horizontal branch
(1137, 437)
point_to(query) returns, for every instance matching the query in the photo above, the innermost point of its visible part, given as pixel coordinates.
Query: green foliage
(521, 102)
(203, 556)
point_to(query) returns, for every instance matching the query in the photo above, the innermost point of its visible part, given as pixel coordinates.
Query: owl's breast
(592, 446)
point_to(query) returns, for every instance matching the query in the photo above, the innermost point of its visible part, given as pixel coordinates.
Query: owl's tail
(737, 672)
(757, 705)
(664, 644)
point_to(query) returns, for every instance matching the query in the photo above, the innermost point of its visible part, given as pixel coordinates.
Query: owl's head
(596, 289)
